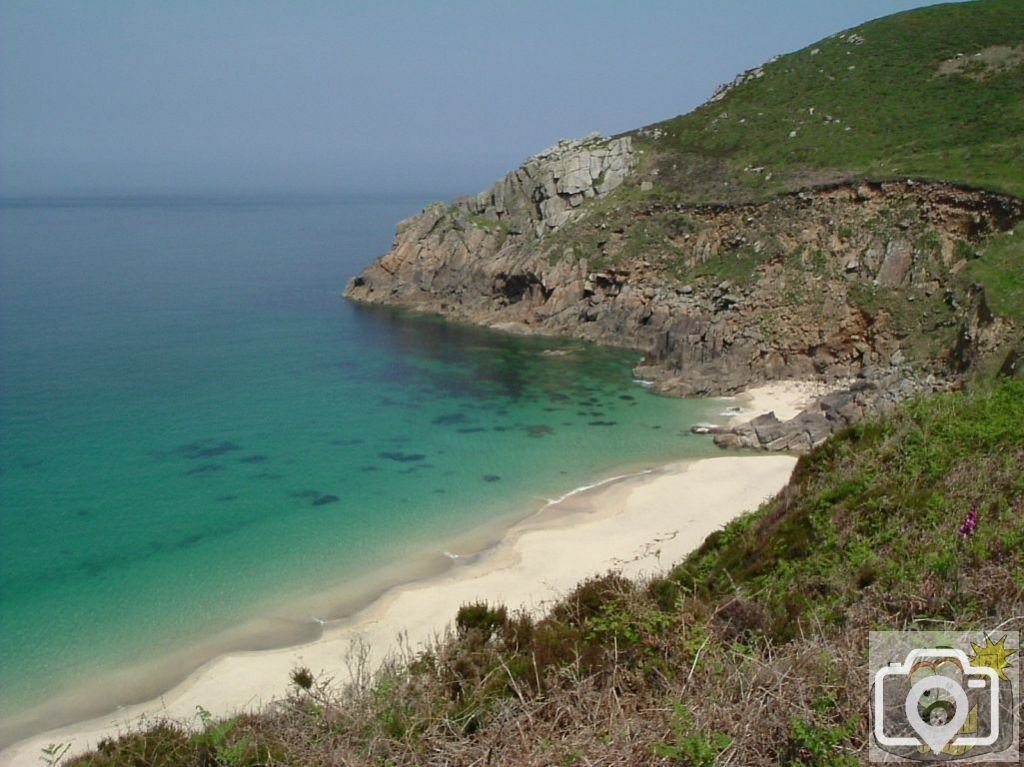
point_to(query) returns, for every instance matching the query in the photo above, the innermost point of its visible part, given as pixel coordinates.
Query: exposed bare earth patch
(988, 61)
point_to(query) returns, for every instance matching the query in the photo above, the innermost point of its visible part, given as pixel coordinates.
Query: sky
(385, 96)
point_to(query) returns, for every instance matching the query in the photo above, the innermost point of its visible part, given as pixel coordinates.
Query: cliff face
(544, 192)
(480, 244)
(823, 283)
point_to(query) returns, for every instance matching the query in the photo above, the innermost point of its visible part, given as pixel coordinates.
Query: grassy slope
(872, 516)
(881, 109)
(893, 114)
(1000, 268)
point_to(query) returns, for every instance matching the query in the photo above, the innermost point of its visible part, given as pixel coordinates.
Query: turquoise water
(197, 431)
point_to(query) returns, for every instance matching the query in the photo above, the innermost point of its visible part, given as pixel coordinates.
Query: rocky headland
(848, 280)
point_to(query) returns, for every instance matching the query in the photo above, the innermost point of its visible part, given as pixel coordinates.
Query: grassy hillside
(754, 648)
(936, 93)
(886, 99)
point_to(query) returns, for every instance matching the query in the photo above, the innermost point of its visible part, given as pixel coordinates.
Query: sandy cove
(640, 524)
(787, 399)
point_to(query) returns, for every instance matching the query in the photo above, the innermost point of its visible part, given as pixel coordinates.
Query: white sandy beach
(638, 525)
(785, 398)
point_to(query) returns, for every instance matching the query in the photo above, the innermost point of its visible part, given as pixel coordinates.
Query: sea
(204, 447)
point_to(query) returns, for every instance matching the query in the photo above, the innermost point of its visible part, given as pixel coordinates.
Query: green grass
(738, 267)
(892, 114)
(1000, 268)
(490, 224)
(926, 325)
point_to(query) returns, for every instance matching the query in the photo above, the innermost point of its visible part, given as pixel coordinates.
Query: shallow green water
(197, 430)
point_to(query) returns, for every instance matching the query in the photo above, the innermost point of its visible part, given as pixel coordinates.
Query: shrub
(480, 619)
(302, 678)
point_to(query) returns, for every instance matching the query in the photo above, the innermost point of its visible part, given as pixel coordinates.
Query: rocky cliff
(822, 282)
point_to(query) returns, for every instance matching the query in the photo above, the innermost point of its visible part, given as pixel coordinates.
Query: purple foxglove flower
(970, 522)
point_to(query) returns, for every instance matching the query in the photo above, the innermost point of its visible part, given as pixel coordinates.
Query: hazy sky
(387, 95)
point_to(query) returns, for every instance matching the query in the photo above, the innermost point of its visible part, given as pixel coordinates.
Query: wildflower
(970, 522)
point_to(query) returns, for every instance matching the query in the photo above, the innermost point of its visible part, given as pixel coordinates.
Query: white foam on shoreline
(549, 502)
